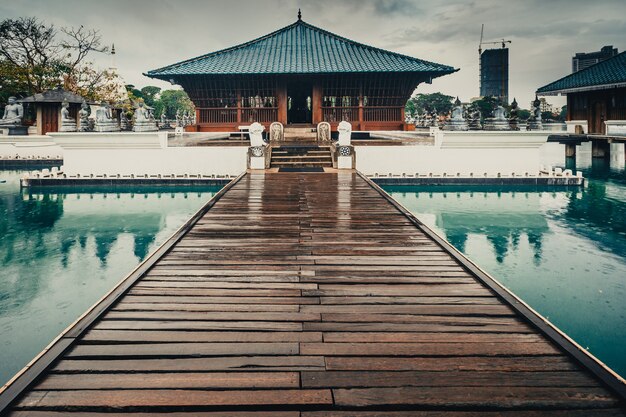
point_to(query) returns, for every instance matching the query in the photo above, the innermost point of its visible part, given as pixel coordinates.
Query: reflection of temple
(43, 232)
(502, 217)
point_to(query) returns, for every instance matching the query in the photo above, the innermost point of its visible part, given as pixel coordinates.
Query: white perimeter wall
(455, 153)
(29, 147)
(145, 153)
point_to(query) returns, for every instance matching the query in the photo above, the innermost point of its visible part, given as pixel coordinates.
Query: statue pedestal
(534, 124)
(345, 157)
(14, 130)
(457, 125)
(145, 127)
(68, 126)
(497, 124)
(256, 157)
(106, 127)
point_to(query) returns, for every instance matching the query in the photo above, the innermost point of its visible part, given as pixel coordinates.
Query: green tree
(563, 114)
(35, 57)
(523, 114)
(149, 94)
(422, 103)
(486, 105)
(171, 101)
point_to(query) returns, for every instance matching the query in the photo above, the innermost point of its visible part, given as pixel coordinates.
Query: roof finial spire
(299, 14)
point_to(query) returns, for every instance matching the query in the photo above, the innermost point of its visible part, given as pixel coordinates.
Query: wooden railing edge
(586, 359)
(26, 377)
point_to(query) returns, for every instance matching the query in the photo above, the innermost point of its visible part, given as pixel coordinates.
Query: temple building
(48, 108)
(596, 96)
(300, 75)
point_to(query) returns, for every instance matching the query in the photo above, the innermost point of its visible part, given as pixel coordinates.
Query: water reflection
(562, 250)
(49, 239)
(502, 214)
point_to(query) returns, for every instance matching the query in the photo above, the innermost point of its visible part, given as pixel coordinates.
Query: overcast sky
(149, 34)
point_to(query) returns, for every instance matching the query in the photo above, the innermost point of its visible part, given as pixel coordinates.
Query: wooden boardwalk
(311, 295)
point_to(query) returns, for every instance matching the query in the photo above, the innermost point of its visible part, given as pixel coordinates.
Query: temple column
(316, 103)
(239, 107)
(281, 93)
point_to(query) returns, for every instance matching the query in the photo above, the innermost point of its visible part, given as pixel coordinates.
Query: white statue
(179, 119)
(345, 133)
(65, 112)
(143, 120)
(83, 115)
(276, 132)
(457, 111)
(13, 113)
(141, 114)
(256, 134)
(68, 123)
(323, 132)
(104, 119)
(103, 114)
(499, 113)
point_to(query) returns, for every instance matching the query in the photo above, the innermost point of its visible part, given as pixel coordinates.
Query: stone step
(312, 153)
(301, 159)
(301, 164)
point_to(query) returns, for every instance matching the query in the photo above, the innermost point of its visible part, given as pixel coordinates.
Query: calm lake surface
(62, 250)
(563, 251)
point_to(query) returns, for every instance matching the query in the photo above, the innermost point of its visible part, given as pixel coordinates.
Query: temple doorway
(299, 100)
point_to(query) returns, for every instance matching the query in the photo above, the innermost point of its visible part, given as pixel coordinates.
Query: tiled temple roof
(606, 74)
(300, 48)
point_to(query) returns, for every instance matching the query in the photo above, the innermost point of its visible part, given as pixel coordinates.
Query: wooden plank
(120, 399)
(431, 337)
(212, 316)
(148, 336)
(357, 379)
(488, 397)
(428, 349)
(33, 413)
(484, 413)
(423, 309)
(197, 325)
(241, 363)
(191, 380)
(458, 363)
(179, 350)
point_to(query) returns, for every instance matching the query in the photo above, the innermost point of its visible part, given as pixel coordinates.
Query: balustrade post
(239, 107)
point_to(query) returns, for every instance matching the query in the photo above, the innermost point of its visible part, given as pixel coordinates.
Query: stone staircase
(300, 134)
(301, 156)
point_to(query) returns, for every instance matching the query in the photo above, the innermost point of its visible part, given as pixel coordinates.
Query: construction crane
(503, 42)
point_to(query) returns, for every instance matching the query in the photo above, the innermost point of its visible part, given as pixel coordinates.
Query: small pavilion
(596, 94)
(300, 75)
(48, 108)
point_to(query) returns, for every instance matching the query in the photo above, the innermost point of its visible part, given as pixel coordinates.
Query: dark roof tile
(299, 48)
(605, 73)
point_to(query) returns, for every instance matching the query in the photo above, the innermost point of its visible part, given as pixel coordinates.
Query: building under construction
(494, 70)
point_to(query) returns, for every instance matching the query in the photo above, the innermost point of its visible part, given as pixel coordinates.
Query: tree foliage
(170, 101)
(35, 57)
(427, 103)
(486, 105)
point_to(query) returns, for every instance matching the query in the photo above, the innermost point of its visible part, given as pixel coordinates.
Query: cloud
(149, 34)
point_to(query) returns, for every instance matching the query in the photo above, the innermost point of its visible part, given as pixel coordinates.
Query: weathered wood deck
(311, 295)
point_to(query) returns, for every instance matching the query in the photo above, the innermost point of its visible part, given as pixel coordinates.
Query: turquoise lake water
(61, 251)
(563, 251)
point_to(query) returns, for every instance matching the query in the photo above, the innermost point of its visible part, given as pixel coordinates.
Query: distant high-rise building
(583, 60)
(494, 73)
